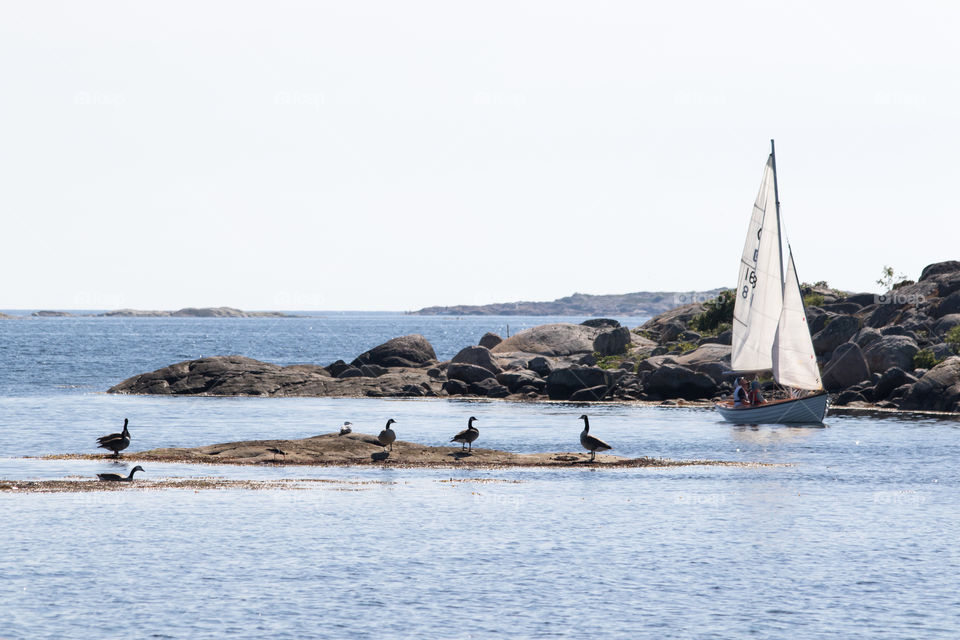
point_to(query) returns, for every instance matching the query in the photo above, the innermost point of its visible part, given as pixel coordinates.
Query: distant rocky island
(194, 312)
(640, 303)
(189, 312)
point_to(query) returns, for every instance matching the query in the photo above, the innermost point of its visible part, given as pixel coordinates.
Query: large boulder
(939, 268)
(479, 356)
(601, 323)
(880, 315)
(890, 380)
(866, 336)
(846, 367)
(946, 323)
(405, 351)
(938, 389)
(611, 342)
(949, 305)
(679, 316)
(891, 351)
(468, 372)
(490, 340)
(551, 340)
(540, 365)
(489, 388)
(675, 381)
(564, 382)
(517, 378)
(710, 359)
(839, 330)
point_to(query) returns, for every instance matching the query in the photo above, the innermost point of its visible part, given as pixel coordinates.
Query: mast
(776, 196)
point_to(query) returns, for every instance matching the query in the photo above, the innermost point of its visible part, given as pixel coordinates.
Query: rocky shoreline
(896, 351)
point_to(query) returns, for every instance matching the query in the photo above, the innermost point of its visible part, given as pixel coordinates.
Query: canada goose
(116, 442)
(115, 477)
(589, 442)
(346, 428)
(387, 436)
(468, 435)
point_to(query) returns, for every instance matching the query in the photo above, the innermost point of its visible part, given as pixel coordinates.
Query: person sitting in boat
(755, 396)
(741, 393)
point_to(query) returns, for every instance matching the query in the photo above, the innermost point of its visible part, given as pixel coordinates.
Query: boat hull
(806, 410)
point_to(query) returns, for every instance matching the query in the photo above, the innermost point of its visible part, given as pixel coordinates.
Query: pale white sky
(393, 155)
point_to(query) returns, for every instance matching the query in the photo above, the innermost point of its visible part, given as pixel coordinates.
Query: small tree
(888, 280)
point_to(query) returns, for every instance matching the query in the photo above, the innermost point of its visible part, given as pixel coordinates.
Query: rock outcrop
(405, 351)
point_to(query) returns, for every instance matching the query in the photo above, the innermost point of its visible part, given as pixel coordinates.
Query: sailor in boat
(755, 396)
(741, 393)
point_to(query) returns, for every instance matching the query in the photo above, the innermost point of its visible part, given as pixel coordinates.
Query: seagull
(468, 435)
(346, 428)
(589, 442)
(116, 442)
(115, 477)
(387, 436)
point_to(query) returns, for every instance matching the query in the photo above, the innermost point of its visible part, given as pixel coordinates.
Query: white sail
(794, 362)
(756, 312)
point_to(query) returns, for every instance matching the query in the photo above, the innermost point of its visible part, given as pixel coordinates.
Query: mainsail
(794, 361)
(769, 324)
(756, 312)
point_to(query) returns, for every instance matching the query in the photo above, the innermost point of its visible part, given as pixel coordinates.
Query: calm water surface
(855, 536)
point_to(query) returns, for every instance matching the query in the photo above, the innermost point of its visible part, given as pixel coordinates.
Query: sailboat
(770, 331)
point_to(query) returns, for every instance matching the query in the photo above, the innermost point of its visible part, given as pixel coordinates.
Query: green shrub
(715, 313)
(608, 362)
(813, 300)
(953, 339)
(686, 347)
(924, 359)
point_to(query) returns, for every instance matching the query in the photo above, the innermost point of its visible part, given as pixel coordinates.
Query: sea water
(847, 531)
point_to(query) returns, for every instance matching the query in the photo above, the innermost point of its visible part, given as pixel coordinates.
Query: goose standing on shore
(346, 428)
(589, 442)
(388, 435)
(116, 442)
(115, 477)
(468, 435)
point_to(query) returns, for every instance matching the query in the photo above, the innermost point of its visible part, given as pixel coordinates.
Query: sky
(383, 155)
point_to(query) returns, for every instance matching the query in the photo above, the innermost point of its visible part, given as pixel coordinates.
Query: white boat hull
(806, 410)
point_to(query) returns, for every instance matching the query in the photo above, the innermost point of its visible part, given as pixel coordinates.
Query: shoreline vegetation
(360, 449)
(896, 351)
